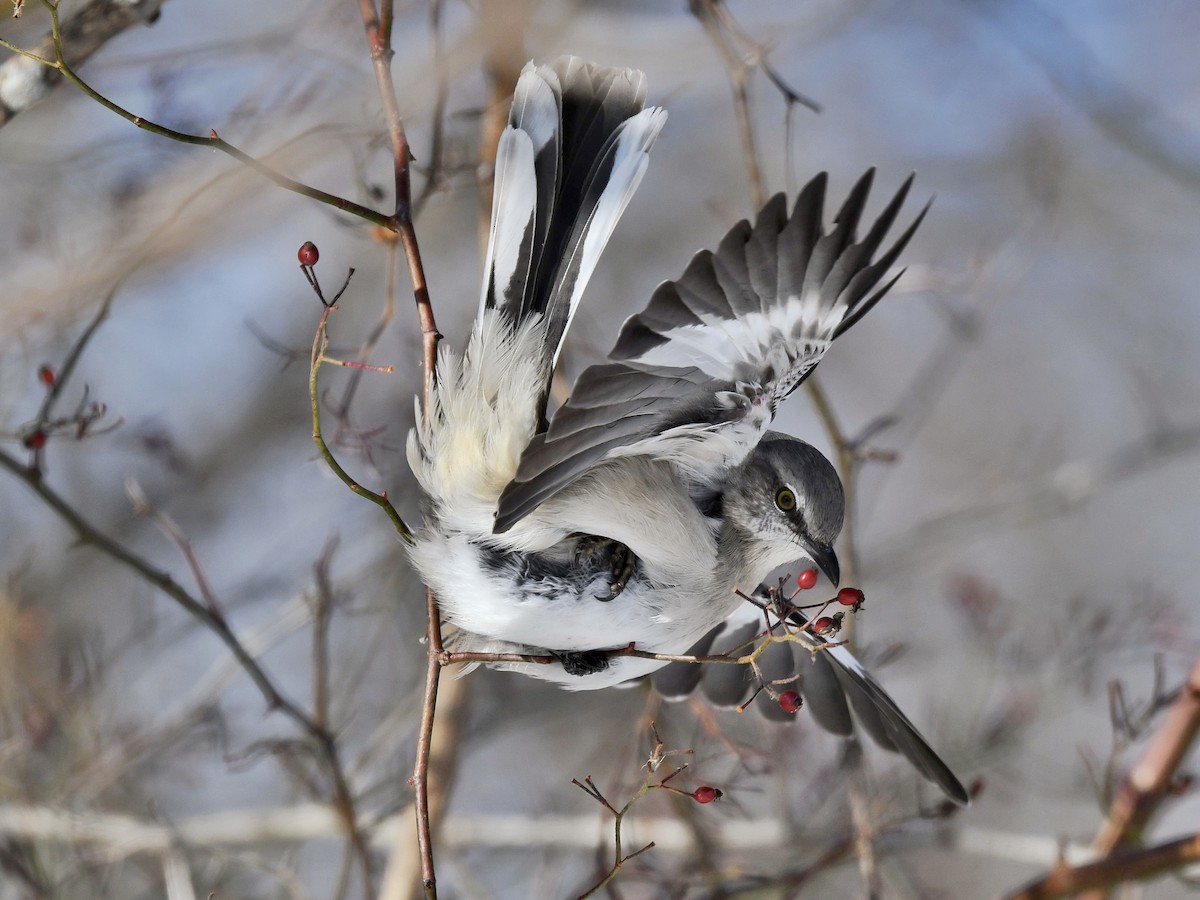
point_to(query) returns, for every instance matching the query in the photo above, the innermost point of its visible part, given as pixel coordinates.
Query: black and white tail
(567, 164)
(573, 154)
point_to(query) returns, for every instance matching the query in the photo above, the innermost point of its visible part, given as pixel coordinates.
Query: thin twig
(724, 33)
(437, 139)
(212, 140)
(706, 12)
(87, 30)
(142, 507)
(649, 782)
(342, 412)
(322, 614)
(420, 776)
(317, 359)
(87, 533)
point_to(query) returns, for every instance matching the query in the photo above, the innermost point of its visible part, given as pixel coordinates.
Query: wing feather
(748, 322)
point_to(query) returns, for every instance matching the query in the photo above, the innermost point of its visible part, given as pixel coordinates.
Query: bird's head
(784, 502)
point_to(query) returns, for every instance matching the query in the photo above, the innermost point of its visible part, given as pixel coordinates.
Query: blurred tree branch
(1118, 849)
(25, 82)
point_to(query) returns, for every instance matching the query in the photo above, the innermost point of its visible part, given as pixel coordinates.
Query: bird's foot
(596, 552)
(582, 662)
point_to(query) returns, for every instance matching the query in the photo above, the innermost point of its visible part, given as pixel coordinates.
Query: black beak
(825, 558)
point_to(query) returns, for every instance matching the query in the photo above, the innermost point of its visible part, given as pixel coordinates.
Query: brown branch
(1101, 876)
(322, 614)
(378, 29)
(741, 55)
(420, 776)
(1149, 781)
(377, 23)
(1137, 799)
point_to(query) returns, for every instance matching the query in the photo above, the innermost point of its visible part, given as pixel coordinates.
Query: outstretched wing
(696, 376)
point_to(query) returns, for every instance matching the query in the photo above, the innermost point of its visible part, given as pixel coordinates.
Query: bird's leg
(594, 552)
(581, 662)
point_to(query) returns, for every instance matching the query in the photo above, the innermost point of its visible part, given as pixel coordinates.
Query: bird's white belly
(664, 619)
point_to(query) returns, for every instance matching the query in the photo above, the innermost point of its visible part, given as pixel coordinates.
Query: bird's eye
(785, 499)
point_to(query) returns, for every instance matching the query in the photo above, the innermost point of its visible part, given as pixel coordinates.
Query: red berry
(828, 625)
(806, 579)
(790, 701)
(35, 440)
(308, 254)
(46, 375)
(849, 596)
(706, 794)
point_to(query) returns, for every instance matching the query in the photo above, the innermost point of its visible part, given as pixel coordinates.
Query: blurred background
(1025, 528)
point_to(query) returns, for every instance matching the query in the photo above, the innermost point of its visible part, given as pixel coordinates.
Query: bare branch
(25, 82)
(1133, 865)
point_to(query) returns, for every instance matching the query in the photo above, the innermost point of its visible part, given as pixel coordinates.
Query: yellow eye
(785, 500)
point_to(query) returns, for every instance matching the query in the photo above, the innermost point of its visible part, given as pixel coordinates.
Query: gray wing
(696, 376)
(834, 685)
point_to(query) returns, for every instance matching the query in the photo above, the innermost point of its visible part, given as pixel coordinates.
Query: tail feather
(573, 154)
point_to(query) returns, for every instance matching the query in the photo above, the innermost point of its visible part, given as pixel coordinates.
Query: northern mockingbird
(633, 512)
